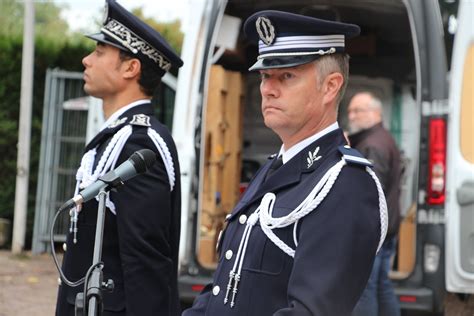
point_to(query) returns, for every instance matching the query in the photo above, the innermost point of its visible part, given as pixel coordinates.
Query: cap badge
(265, 30)
(141, 120)
(313, 157)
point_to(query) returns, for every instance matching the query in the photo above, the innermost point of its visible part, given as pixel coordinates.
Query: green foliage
(11, 15)
(48, 20)
(48, 54)
(171, 31)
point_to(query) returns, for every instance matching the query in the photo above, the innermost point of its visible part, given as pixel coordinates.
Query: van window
(163, 102)
(449, 11)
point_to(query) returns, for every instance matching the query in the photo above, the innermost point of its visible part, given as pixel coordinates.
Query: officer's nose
(86, 61)
(269, 89)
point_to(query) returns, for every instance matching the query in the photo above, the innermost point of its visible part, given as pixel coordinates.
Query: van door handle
(465, 193)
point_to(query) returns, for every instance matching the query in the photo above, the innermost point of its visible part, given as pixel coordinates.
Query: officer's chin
(88, 89)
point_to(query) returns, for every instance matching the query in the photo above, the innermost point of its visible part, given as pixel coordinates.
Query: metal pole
(94, 288)
(24, 130)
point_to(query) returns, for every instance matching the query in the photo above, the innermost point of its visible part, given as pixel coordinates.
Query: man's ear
(332, 85)
(132, 68)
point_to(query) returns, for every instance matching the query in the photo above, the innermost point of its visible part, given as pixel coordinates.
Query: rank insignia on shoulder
(271, 156)
(140, 120)
(353, 156)
(117, 122)
(313, 157)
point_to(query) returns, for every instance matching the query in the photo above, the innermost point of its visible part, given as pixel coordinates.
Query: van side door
(460, 160)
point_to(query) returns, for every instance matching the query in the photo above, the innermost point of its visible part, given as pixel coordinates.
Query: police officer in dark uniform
(142, 222)
(303, 238)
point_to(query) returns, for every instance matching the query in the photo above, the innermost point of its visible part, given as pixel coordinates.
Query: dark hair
(150, 75)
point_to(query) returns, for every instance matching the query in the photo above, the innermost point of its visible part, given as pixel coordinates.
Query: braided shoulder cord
(165, 155)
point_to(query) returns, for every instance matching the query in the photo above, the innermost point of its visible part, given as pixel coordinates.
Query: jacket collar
(306, 161)
(125, 118)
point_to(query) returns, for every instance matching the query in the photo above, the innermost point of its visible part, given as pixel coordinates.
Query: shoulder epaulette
(140, 120)
(353, 156)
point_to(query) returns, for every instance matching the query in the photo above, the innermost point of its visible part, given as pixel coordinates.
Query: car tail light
(407, 299)
(242, 187)
(437, 161)
(197, 287)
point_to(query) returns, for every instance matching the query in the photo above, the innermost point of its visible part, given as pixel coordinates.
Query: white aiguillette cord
(265, 211)
(108, 159)
(85, 177)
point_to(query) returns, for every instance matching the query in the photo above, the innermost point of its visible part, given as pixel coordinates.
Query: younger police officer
(142, 222)
(303, 238)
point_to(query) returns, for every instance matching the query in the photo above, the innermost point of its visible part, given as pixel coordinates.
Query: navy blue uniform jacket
(336, 242)
(140, 249)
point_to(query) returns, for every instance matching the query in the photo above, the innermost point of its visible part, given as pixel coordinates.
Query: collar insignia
(265, 30)
(117, 122)
(313, 157)
(141, 120)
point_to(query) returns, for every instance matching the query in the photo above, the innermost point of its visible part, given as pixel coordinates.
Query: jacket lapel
(306, 161)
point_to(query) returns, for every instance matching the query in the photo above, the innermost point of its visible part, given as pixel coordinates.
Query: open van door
(460, 160)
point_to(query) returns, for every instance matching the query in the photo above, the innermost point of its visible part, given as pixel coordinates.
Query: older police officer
(142, 222)
(303, 238)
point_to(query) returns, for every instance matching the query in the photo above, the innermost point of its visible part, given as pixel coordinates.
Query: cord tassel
(229, 286)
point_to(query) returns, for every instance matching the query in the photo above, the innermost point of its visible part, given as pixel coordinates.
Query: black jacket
(337, 242)
(141, 242)
(377, 145)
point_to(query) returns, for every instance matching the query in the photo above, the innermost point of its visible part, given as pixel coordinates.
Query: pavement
(28, 284)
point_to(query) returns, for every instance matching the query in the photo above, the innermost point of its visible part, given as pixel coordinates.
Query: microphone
(138, 163)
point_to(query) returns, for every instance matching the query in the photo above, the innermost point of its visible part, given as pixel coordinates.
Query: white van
(401, 57)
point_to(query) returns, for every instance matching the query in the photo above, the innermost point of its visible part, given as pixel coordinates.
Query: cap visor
(282, 62)
(102, 38)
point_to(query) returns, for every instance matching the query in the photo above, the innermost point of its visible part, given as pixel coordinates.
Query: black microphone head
(143, 159)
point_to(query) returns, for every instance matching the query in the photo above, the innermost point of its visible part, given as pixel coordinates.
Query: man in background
(368, 136)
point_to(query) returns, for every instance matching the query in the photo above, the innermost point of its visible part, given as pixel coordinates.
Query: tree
(171, 31)
(48, 20)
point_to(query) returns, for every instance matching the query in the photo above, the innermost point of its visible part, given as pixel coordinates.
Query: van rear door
(460, 160)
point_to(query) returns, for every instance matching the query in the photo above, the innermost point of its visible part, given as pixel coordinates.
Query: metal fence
(62, 142)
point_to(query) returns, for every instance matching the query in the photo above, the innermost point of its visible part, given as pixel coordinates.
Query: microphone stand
(91, 299)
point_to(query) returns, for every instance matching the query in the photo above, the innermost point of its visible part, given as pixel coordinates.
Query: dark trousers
(378, 298)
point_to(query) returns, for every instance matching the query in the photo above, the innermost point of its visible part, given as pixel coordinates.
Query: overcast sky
(80, 14)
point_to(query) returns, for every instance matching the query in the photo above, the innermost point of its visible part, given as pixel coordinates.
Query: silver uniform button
(215, 290)
(347, 146)
(243, 219)
(228, 254)
(64, 246)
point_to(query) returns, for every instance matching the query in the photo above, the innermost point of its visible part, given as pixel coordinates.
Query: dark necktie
(276, 163)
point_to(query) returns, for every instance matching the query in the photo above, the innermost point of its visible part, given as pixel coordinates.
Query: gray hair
(332, 63)
(375, 103)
